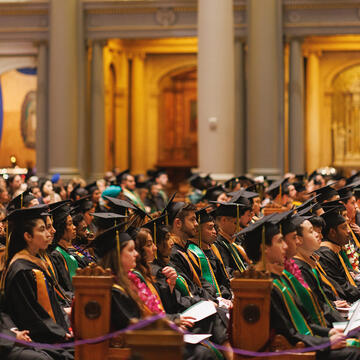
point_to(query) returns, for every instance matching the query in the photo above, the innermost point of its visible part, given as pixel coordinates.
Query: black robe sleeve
(63, 274)
(334, 270)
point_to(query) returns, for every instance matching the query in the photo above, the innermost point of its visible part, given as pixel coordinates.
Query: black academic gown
(63, 274)
(22, 305)
(206, 291)
(228, 260)
(330, 313)
(335, 271)
(280, 323)
(123, 309)
(81, 259)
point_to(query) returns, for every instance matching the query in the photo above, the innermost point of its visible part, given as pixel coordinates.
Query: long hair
(16, 240)
(141, 262)
(110, 260)
(162, 236)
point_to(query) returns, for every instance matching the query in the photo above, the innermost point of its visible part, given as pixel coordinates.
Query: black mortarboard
(325, 193)
(20, 201)
(333, 218)
(153, 226)
(83, 204)
(256, 234)
(106, 220)
(19, 215)
(198, 182)
(204, 215)
(299, 187)
(300, 177)
(346, 192)
(121, 174)
(276, 188)
(90, 188)
(230, 184)
(228, 209)
(60, 213)
(313, 175)
(352, 178)
(213, 193)
(334, 204)
(106, 241)
(308, 211)
(120, 206)
(171, 209)
(78, 191)
(243, 197)
(54, 205)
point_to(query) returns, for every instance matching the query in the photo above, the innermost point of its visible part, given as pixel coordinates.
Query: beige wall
(15, 86)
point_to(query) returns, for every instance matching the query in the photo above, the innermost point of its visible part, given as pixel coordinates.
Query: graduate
(30, 297)
(331, 256)
(266, 247)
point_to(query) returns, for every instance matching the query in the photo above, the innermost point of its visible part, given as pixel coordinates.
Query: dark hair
(163, 234)
(17, 241)
(141, 262)
(60, 227)
(185, 211)
(77, 219)
(318, 221)
(124, 177)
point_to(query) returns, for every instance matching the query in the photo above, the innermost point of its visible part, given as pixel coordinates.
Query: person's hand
(67, 311)
(69, 336)
(355, 228)
(22, 335)
(170, 275)
(186, 322)
(334, 331)
(341, 304)
(337, 341)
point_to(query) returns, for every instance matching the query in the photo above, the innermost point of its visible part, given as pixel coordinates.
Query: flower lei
(292, 268)
(149, 299)
(353, 256)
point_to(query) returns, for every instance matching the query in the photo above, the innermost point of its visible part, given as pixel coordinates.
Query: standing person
(30, 297)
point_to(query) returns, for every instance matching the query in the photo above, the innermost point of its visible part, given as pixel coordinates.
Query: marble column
(240, 139)
(63, 89)
(42, 111)
(216, 88)
(296, 109)
(264, 88)
(138, 123)
(97, 116)
(312, 112)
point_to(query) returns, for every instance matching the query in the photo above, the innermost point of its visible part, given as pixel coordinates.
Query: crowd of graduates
(170, 251)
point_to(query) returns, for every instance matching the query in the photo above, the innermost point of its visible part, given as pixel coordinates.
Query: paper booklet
(195, 338)
(200, 310)
(354, 321)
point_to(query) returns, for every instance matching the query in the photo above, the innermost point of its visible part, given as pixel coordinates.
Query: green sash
(314, 271)
(182, 286)
(296, 317)
(206, 270)
(70, 260)
(134, 198)
(235, 255)
(346, 260)
(307, 299)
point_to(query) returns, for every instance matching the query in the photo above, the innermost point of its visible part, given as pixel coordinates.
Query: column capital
(290, 38)
(308, 52)
(136, 54)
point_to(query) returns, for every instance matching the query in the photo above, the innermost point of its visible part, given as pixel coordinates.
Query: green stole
(70, 260)
(315, 273)
(296, 317)
(235, 255)
(134, 198)
(306, 296)
(346, 260)
(182, 286)
(206, 270)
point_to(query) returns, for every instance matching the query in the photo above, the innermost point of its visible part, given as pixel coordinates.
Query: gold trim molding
(331, 43)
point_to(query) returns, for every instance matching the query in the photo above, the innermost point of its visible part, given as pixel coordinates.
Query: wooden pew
(250, 321)
(92, 311)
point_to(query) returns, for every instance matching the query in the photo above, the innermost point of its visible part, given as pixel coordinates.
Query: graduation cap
(171, 209)
(121, 207)
(357, 192)
(277, 187)
(299, 187)
(214, 192)
(204, 215)
(78, 191)
(153, 225)
(313, 175)
(243, 197)
(105, 220)
(60, 213)
(300, 177)
(198, 182)
(34, 212)
(339, 204)
(324, 193)
(54, 205)
(109, 240)
(121, 174)
(231, 182)
(83, 204)
(346, 192)
(20, 201)
(90, 188)
(352, 178)
(332, 218)
(257, 235)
